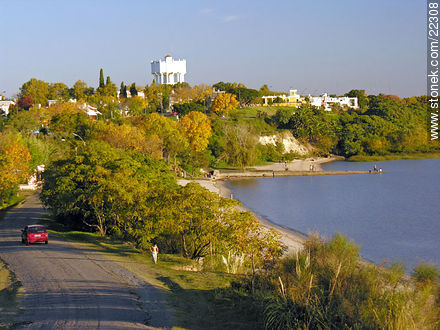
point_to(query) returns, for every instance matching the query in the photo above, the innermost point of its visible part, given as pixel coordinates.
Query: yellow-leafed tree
(14, 163)
(197, 128)
(223, 103)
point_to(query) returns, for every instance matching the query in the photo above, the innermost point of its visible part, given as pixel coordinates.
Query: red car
(34, 234)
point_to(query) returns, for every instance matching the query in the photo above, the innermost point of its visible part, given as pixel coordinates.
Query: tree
(152, 96)
(361, 96)
(128, 137)
(110, 88)
(37, 90)
(26, 121)
(66, 124)
(135, 104)
(223, 103)
(265, 91)
(14, 164)
(79, 90)
(58, 91)
(123, 90)
(133, 90)
(173, 140)
(165, 97)
(105, 188)
(184, 108)
(101, 79)
(199, 219)
(245, 95)
(25, 102)
(197, 129)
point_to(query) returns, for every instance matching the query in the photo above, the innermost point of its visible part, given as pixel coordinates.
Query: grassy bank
(9, 287)
(420, 155)
(200, 299)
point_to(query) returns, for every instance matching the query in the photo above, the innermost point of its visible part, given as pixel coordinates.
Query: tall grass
(326, 285)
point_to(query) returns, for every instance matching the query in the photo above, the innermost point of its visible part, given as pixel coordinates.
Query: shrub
(425, 273)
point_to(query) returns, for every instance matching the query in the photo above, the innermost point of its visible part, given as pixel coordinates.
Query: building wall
(4, 107)
(326, 101)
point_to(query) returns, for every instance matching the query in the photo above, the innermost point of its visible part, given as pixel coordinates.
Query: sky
(313, 46)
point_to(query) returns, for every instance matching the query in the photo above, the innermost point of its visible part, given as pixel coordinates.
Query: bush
(426, 273)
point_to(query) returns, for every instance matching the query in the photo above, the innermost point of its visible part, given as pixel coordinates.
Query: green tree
(361, 96)
(104, 188)
(152, 96)
(184, 108)
(58, 91)
(109, 88)
(79, 90)
(165, 97)
(173, 140)
(66, 124)
(123, 90)
(240, 145)
(37, 90)
(133, 90)
(101, 79)
(136, 105)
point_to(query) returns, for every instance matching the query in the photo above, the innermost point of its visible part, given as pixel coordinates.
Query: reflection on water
(393, 215)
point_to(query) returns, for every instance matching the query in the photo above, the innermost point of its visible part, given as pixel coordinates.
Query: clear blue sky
(313, 46)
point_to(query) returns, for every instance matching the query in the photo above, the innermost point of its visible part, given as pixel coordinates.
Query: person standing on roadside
(154, 251)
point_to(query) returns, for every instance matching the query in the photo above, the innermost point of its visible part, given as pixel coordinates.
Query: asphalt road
(70, 287)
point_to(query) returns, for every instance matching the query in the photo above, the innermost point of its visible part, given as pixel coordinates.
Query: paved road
(68, 287)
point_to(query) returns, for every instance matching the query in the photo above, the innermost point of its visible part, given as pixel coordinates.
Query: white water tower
(168, 71)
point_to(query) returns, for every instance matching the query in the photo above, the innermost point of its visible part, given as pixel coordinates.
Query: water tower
(168, 71)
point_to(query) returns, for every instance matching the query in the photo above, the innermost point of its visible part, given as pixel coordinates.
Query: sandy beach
(292, 240)
(298, 164)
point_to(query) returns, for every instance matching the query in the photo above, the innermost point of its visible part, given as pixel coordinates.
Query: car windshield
(37, 229)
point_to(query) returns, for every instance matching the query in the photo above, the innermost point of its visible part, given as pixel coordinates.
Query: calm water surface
(392, 216)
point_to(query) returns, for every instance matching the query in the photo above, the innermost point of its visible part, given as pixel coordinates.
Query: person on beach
(375, 168)
(154, 251)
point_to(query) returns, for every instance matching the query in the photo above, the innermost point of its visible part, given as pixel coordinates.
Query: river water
(393, 216)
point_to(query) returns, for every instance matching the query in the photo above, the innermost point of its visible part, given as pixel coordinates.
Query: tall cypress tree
(166, 98)
(133, 90)
(123, 90)
(108, 81)
(101, 79)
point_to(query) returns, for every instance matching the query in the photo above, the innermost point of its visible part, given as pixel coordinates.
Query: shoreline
(293, 239)
(299, 167)
(290, 237)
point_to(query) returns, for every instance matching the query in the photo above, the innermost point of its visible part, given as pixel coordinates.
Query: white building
(168, 71)
(293, 99)
(90, 111)
(327, 101)
(4, 106)
(139, 93)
